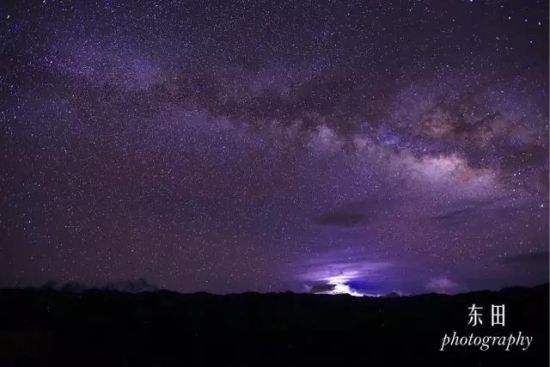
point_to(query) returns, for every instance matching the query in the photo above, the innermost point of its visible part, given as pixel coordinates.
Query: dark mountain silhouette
(128, 286)
(392, 295)
(52, 327)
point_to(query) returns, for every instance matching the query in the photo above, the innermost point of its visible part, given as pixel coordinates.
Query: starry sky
(360, 147)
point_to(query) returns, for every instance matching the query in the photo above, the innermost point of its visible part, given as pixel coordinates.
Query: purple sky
(362, 147)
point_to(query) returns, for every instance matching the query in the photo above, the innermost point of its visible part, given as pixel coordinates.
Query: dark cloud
(527, 259)
(456, 217)
(472, 211)
(321, 288)
(342, 219)
(365, 286)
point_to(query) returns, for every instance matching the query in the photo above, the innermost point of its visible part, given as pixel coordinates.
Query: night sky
(363, 147)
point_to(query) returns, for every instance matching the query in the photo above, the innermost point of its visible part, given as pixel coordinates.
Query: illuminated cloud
(336, 272)
(443, 285)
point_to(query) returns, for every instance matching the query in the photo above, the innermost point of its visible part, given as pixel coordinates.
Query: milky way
(361, 147)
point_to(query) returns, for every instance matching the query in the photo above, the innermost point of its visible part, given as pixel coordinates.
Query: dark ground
(106, 328)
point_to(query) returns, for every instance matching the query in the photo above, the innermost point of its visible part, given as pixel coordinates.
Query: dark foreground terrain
(107, 328)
